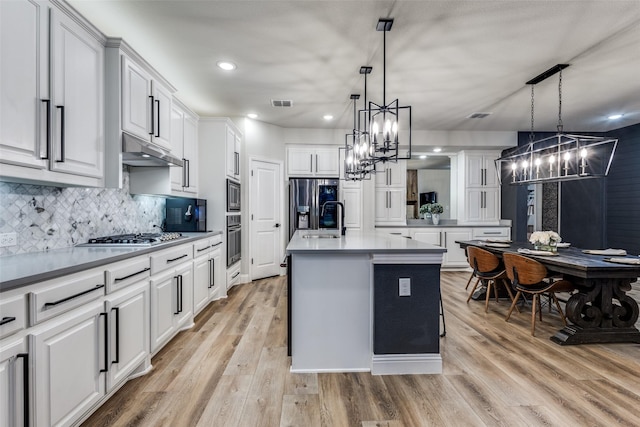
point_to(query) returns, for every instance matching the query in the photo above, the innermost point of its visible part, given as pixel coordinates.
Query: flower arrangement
(545, 240)
(425, 208)
(436, 208)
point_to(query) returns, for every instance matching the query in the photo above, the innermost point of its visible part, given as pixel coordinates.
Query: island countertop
(357, 242)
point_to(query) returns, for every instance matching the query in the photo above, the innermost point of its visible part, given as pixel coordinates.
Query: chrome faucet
(341, 227)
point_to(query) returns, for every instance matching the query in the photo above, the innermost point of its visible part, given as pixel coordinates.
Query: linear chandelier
(562, 157)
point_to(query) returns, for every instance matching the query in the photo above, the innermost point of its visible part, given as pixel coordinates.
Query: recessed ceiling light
(252, 115)
(327, 117)
(614, 116)
(423, 156)
(227, 66)
(437, 150)
(146, 155)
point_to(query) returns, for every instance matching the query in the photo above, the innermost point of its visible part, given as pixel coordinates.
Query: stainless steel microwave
(233, 196)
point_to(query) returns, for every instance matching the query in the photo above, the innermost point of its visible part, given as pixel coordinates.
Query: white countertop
(24, 269)
(358, 242)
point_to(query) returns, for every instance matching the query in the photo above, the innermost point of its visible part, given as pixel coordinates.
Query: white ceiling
(447, 59)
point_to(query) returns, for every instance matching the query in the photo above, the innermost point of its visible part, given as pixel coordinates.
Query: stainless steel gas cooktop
(137, 239)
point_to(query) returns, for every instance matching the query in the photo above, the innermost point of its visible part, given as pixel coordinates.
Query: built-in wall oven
(234, 239)
(233, 196)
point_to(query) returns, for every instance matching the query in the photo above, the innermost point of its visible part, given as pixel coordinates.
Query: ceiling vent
(478, 115)
(281, 103)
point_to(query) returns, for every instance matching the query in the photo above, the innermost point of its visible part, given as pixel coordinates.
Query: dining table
(599, 311)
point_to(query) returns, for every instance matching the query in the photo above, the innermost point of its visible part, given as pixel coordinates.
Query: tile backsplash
(53, 217)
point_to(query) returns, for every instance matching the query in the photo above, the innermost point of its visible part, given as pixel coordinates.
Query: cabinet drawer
(233, 276)
(204, 247)
(13, 315)
(61, 295)
(169, 258)
(125, 273)
(484, 233)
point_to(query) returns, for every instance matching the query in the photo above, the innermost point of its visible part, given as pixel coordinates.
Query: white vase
(435, 218)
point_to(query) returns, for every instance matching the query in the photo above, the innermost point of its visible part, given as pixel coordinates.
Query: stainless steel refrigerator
(306, 197)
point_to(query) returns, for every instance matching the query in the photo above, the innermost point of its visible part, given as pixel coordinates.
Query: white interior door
(266, 219)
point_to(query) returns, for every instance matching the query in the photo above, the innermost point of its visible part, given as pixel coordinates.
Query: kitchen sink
(320, 236)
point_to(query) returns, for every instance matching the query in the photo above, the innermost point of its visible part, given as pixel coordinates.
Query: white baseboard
(401, 364)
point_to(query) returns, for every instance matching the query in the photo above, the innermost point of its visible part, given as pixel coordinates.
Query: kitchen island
(367, 301)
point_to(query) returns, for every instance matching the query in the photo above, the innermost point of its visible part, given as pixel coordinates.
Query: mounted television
(429, 197)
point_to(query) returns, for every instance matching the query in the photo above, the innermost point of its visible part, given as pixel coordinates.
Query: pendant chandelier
(562, 157)
(384, 121)
(358, 163)
(383, 132)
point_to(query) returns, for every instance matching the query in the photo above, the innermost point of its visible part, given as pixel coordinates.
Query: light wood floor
(231, 369)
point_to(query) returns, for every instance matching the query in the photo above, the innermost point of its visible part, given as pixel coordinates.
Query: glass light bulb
(552, 159)
(525, 164)
(538, 161)
(394, 128)
(514, 166)
(374, 128)
(583, 153)
(350, 160)
(567, 155)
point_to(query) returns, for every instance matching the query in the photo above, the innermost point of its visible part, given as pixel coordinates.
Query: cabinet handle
(390, 176)
(60, 301)
(211, 273)
(175, 259)
(217, 244)
(62, 142)
(48, 133)
(6, 320)
(486, 233)
(177, 294)
(311, 162)
(25, 387)
(181, 294)
(153, 122)
(119, 279)
(203, 249)
(184, 173)
(106, 342)
(237, 164)
(235, 275)
(316, 163)
(188, 172)
(157, 101)
(117, 310)
(440, 237)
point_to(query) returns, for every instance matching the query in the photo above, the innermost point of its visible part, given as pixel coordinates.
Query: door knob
(277, 225)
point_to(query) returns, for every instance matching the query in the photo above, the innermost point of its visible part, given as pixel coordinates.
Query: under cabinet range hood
(136, 152)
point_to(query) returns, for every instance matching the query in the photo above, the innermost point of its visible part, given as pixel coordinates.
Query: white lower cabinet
(128, 312)
(14, 362)
(455, 255)
(445, 237)
(171, 303)
(70, 362)
(207, 269)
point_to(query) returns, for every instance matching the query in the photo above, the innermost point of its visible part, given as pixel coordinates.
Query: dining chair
(488, 268)
(528, 276)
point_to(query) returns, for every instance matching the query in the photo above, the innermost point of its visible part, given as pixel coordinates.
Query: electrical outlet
(404, 287)
(8, 239)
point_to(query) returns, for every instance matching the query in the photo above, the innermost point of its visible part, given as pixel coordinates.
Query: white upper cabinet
(184, 140)
(52, 104)
(24, 78)
(77, 107)
(233, 150)
(313, 161)
(479, 186)
(146, 105)
(391, 193)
